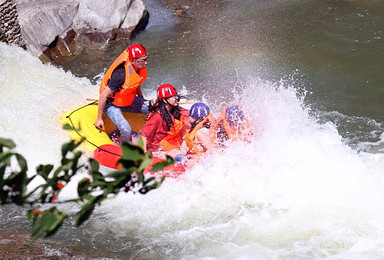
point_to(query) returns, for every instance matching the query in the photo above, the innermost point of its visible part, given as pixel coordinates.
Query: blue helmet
(199, 110)
(234, 113)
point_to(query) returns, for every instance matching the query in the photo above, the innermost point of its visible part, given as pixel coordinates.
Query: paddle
(180, 102)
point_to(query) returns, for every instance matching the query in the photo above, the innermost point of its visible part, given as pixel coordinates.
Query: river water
(308, 186)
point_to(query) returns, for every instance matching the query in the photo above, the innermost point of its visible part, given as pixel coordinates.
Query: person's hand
(151, 102)
(99, 124)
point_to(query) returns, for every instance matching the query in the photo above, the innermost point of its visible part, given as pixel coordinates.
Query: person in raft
(231, 125)
(165, 127)
(197, 139)
(120, 89)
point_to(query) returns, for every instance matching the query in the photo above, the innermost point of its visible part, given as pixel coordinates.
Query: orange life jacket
(132, 81)
(174, 138)
(194, 147)
(233, 134)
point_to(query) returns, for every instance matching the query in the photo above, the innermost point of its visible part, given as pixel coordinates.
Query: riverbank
(17, 244)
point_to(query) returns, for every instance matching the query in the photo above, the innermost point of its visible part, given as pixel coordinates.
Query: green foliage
(12, 181)
(50, 221)
(91, 191)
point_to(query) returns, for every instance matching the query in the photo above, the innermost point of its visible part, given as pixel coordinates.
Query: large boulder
(47, 23)
(103, 16)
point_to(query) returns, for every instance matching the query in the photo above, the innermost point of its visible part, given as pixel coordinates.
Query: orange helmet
(136, 51)
(166, 91)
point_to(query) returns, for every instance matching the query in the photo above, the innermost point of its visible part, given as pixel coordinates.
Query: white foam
(295, 191)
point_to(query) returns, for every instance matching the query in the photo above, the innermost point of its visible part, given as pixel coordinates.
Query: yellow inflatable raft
(85, 116)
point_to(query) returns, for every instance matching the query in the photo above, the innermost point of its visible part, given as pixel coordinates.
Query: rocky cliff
(40, 25)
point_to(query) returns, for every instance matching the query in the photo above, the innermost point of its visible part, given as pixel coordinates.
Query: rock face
(63, 23)
(10, 30)
(42, 21)
(105, 16)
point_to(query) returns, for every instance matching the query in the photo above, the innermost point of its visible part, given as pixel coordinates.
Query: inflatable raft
(101, 145)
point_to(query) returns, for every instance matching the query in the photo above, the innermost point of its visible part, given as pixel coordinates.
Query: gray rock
(103, 16)
(43, 22)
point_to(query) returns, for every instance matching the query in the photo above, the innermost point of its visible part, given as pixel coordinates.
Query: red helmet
(136, 51)
(166, 91)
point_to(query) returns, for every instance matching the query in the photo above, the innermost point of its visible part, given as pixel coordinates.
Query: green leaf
(5, 157)
(131, 152)
(75, 162)
(58, 170)
(30, 214)
(140, 142)
(3, 196)
(126, 164)
(110, 188)
(140, 176)
(117, 174)
(44, 170)
(156, 184)
(22, 162)
(69, 127)
(158, 167)
(148, 180)
(97, 176)
(84, 213)
(147, 160)
(94, 165)
(7, 143)
(87, 210)
(78, 143)
(50, 222)
(87, 197)
(161, 165)
(102, 184)
(66, 147)
(83, 187)
(2, 172)
(29, 179)
(17, 181)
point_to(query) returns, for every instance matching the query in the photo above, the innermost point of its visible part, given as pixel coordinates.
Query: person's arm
(204, 140)
(149, 130)
(102, 101)
(114, 85)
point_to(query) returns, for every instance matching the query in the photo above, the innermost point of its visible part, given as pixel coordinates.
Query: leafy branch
(91, 191)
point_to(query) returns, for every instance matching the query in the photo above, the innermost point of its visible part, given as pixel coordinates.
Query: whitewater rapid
(295, 191)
